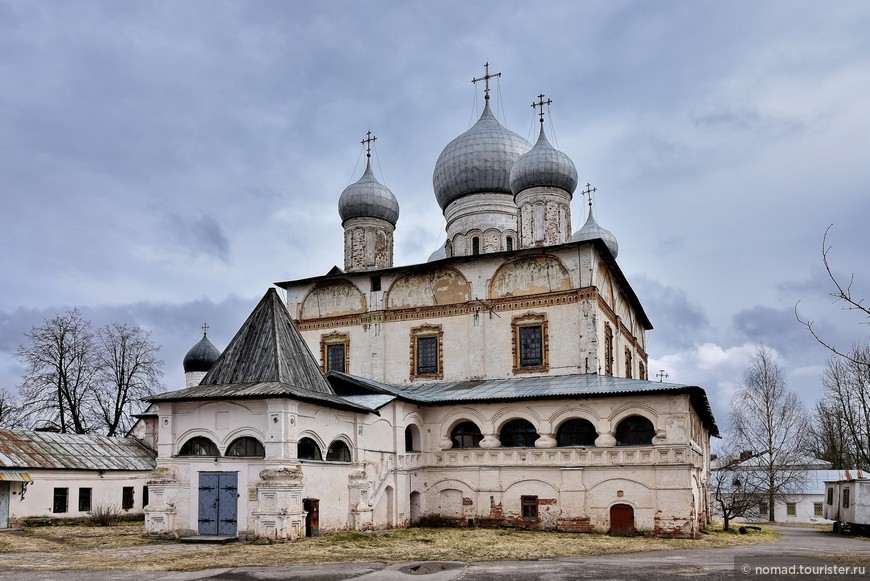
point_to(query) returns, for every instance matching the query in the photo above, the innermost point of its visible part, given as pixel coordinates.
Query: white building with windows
(501, 383)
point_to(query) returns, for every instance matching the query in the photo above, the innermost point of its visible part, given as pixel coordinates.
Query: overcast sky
(163, 163)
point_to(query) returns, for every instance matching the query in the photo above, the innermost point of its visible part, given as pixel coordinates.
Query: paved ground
(796, 547)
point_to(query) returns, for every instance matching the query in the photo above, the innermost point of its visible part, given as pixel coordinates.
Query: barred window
(531, 346)
(791, 509)
(576, 432)
(335, 357)
(635, 431)
(817, 509)
(199, 446)
(608, 350)
(427, 355)
(61, 500)
(246, 446)
(84, 499)
(466, 435)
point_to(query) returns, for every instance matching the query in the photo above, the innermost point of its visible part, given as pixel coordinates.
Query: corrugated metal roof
(371, 401)
(257, 390)
(537, 387)
(31, 449)
(15, 476)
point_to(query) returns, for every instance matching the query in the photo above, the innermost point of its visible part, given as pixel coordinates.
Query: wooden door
(621, 519)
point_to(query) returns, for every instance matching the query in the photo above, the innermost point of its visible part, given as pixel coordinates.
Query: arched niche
(530, 275)
(332, 298)
(443, 286)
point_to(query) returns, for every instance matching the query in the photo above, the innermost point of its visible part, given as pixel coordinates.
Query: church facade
(504, 382)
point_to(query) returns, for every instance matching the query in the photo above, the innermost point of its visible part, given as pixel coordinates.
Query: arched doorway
(416, 507)
(621, 519)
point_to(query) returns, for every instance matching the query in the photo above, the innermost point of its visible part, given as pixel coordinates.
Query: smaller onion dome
(591, 230)
(201, 356)
(440, 253)
(543, 166)
(368, 198)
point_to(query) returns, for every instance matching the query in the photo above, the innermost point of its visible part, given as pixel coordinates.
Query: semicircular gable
(530, 275)
(442, 286)
(332, 298)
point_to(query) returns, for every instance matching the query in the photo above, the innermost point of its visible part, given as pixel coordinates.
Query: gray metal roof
(258, 390)
(591, 230)
(49, 450)
(201, 356)
(367, 197)
(479, 160)
(532, 388)
(543, 166)
(370, 400)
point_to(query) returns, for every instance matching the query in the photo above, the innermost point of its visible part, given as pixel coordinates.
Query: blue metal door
(218, 503)
(4, 504)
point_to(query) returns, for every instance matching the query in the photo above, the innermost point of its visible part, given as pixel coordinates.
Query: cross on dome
(204, 329)
(486, 77)
(588, 192)
(368, 142)
(540, 103)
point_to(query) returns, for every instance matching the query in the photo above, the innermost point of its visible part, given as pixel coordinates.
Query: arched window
(466, 435)
(518, 433)
(338, 452)
(412, 439)
(199, 446)
(307, 449)
(576, 432)
(634, 431)
(246, 446)
(510, 243)
(475, 245)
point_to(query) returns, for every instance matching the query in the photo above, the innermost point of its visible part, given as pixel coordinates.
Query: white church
(501, 383)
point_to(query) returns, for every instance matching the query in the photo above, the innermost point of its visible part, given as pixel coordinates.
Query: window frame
(632, 433)
(212, 452)
(790, 509)
(529, 507)
(427, 332)
(476, 436)
(338, 447)
(518, 324)
(318, 457)
(333, 340)
(86, 499)
(846, 499)
(818, 509)
(128, 497)
(562, 430)
(518, 438)
(608, 349)
(628, 364)
(259, 448)
(60, 500)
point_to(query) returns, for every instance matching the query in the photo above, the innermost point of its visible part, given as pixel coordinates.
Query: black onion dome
(478, 161)
(201, 356)
(543, 166)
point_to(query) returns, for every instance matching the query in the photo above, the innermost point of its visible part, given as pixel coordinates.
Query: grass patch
(125, 547)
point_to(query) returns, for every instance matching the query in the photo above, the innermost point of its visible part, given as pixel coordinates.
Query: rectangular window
(376, 283)
(335, 357)
(144, 496)
(628, 365)
(61, 500)
(608, 350)
(529, 506)
(817, 509)
(427, 355)
(791, 509)
(762, 508)
(845, 498)
(127, 498)
(531, 346)
(84, 499)
(830, 497)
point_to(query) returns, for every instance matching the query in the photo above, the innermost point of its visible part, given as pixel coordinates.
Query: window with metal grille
(127, 498)
(475, 245)
(199, 446)
(791, 509)
(634, 431)
(510, 243)
(84, 499)
(427, 355)
(61, 500)
(817, 509)
(307, 449)
(335, 357)
(845, 498)
(466, 435)
(529, 506)
(576, 432)
(762, 508)
(338, 452)
(246, 446)
(608, 350)
(531, 346)
(518, 433)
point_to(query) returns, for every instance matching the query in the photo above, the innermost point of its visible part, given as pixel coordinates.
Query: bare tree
(58, 384)
(736, 494)
(843, 295)
(846, 402)
(129, 370)
(830, 437)
(9, 413)
(771, 420)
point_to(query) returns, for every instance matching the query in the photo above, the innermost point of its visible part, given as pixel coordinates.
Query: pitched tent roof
(50, 450)
(268, 348)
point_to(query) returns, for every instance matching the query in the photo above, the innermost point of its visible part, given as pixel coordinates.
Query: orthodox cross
(204, 329)
(486, 77)
(540, 103)
(368, 143)
(662, 375)
(589, 189)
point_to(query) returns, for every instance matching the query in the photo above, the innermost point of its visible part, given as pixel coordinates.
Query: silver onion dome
(543, 166)
(591, 230)
(440, 252)
(201, 356)
(368, 198)
(479, 160)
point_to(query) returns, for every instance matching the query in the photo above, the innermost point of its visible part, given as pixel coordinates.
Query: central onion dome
(543, 166)
(368, 198)
(479, 160)
(201, 356)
